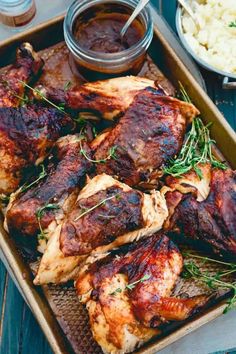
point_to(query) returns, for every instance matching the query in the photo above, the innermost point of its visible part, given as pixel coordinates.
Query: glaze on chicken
(107, 98)
(26, 137)
(27, 66)
(145, 138)
(209, 219)
(64, 176)
(128, 294)
(107, 214)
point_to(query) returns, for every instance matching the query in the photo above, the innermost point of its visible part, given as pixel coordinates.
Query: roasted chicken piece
(26, 136)
(28, 65)
(108, 98)
(128, 294)
(207, 211)
(146, 137)
(106, 215)
(59, 188)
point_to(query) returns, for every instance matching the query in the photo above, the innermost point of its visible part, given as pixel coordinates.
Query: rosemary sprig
(232, 24)
(102, 202)
(131, 286)
(60, 108)
(42, 174)
(111, 154)
(213, 281)
(197, 148)
(39, 214)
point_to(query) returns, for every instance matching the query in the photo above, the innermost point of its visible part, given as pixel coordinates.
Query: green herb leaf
(39, 214)
(213, 281)
(42, 174)
(67, 85)
(232, 24)
(42, 96)
(131, 286)
(111, 155)
(197, 148)
(102, 202)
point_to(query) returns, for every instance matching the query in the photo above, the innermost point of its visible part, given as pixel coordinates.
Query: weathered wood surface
(19, 331)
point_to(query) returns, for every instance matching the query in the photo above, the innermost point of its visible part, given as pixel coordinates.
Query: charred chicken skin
(107, 98)
(107, 214)
(60, 187)
(128, 293)
(28, 65)
(211, 219)
(145, 138)
(26, 137)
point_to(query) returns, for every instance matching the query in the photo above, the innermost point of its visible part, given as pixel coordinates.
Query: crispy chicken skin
(28, 65)
(117, 215)
(26, 136)
(212, 219)
(65, 173)
(146, 137)
(108, 98)
(122, 318)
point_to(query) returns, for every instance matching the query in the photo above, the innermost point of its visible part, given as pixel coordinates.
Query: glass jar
(15, 13)
(94, 65)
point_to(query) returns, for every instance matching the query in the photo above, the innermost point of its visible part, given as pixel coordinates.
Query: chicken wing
(211, 219)
(145, 138)
(60, 187)
(26, 136)
(128, 294)
(28, 65)
(107, 214)
(108, 98)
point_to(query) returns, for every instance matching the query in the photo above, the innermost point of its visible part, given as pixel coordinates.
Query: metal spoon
(189, 10)
(138, 9)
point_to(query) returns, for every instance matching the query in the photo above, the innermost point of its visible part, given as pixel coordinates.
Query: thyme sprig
(60, 108)
(41, 175)
(67, 85)
(232, 24)
(213, 281)
(131, 286)
(197, 148)
(102, 202)
(39, 214)
(111, 154)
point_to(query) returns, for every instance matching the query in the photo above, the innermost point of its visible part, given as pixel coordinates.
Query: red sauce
(102, 33)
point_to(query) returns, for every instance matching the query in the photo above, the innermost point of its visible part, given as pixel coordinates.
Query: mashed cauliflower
(213, 40)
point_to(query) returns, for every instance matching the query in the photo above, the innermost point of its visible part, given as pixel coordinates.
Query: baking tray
(64, 307)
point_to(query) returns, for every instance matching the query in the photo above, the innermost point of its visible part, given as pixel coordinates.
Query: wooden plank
(32, 336)
(12, 320)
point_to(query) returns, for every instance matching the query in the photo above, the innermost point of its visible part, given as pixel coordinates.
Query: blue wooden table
(19, 331)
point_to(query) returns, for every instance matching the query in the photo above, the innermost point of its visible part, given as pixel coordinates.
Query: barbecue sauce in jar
(102, 33)
(92, 34)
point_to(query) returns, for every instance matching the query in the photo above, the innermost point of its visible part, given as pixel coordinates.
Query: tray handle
(228, 85)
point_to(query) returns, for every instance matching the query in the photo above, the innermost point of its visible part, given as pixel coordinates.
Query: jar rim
(79, 7)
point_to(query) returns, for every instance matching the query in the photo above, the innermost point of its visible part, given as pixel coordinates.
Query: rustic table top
(19, 331)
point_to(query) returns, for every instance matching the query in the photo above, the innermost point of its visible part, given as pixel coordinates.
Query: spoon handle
(140, 6)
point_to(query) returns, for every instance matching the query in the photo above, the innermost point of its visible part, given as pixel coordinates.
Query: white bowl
(227, 84)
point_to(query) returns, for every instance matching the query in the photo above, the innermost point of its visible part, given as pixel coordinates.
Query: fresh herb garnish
(67, 85)
(39, 214)
(232, 24)
(213, 281)
(42, 174)
(60, 108)
(196, 150)
(4, 198)
(131, 286)
(102, 202)
(111, 155)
